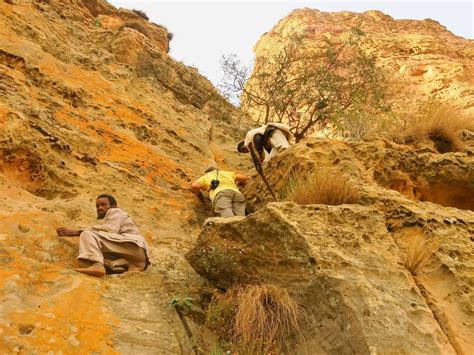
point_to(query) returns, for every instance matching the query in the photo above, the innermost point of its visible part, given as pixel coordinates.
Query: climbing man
(227, 200)
(268, 140)
(115, 243)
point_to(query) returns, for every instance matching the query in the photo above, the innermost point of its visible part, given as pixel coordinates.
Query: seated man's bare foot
(96, 269)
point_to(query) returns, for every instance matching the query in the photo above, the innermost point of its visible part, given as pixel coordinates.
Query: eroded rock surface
(92, 103)
(419, 174)
(349, 265)
(89, 106)
(422, 59)
(340, 263)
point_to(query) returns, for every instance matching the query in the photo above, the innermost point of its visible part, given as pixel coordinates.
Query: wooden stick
(259, 168)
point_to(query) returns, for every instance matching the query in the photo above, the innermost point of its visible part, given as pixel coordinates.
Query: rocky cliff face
(92, 103)
(349, 266)
(421, 58)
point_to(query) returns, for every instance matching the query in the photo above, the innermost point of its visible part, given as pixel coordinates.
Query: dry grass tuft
(438, 122)
(419, 252)
(327, 187)
(260, 318)
(136, 26)
(142, 14)
(265, 317)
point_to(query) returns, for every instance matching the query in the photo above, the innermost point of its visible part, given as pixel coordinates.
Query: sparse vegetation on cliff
(325, 186)
(419, 252)
(257, 318)
(142, 14)
(437, 122)
(310, 89)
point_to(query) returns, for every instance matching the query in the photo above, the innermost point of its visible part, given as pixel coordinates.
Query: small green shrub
(182, 304)
(216, 259)
(221, 314)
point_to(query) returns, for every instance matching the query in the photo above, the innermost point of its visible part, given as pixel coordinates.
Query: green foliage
(216, 259)
(310, 88)
(182, 304)
(220, 316)
(97, 22)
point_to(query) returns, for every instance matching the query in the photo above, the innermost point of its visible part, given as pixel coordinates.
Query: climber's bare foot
(96, 269)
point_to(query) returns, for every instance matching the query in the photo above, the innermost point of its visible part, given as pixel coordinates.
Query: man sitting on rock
(115, 243)
(227, 200)
(268, 140)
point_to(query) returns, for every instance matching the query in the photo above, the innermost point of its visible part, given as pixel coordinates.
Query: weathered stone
(89, 106)
(446, 179)
(343, 267)
(423, 58)
(86, 108)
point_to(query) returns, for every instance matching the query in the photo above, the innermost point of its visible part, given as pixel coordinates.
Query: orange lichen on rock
(73, 318)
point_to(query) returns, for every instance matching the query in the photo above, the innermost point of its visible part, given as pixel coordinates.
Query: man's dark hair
(112, 200)
(240, 146)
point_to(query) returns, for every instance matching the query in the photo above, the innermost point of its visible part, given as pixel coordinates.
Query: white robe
(118, 226)
(278, 140)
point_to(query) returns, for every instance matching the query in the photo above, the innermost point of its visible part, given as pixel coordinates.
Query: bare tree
(306, 88)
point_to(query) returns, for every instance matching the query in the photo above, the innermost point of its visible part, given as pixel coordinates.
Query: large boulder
(342, 266)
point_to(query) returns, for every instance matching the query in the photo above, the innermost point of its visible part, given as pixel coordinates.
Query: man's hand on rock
(66, 232)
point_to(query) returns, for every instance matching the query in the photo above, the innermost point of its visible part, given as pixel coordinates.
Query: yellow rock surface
(90, 106)
(421, 59)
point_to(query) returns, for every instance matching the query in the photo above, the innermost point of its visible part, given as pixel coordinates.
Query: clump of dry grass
(265, 317)
(141, 13)
(438, 122)
(259, 318)
(327, 186)
(419, 252)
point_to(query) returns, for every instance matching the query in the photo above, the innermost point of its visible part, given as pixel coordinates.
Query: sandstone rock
(257, 249)
(340, 263)
(79, 116)
(87, 108)
(421, 58)
(420, 175)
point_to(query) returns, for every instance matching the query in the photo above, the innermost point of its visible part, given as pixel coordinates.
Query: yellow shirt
(226, 182)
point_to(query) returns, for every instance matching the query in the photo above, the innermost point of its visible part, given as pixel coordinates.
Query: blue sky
(205, 30)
